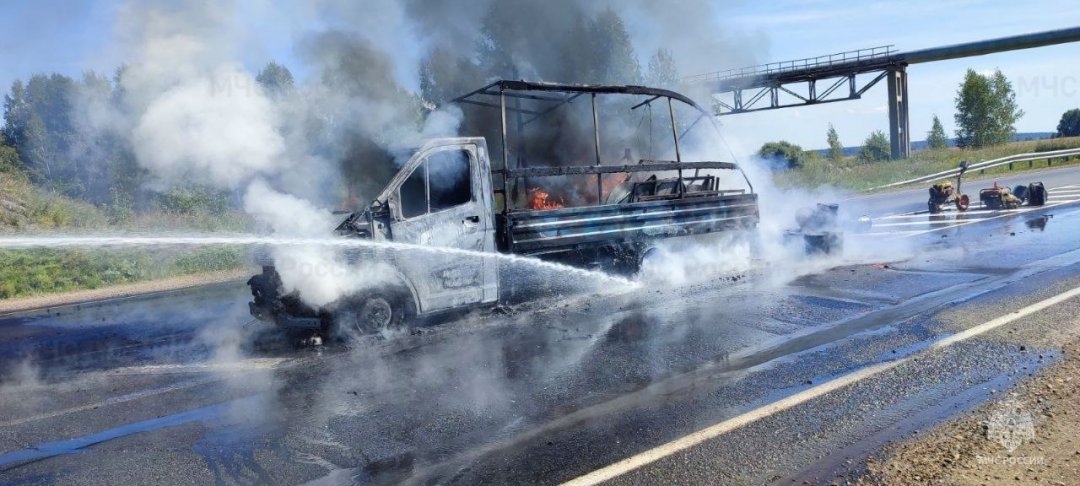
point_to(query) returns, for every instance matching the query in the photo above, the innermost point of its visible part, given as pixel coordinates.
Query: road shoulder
(21, 304)
(1030, 434)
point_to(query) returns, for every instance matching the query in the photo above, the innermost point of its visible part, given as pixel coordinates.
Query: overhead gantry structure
(832, 78)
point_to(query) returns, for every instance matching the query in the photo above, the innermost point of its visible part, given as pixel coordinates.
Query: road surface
(782, 373)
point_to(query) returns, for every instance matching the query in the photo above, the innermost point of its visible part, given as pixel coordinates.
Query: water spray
(115, 241)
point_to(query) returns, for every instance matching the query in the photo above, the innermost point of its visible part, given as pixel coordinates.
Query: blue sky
(1047, 80)
(72, 36)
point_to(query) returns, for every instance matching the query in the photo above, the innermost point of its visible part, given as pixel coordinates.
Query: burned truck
(607, 213)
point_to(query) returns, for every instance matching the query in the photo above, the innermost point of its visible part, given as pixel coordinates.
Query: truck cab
(436, 217)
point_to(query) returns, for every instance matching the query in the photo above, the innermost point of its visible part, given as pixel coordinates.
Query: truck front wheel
(372, 314)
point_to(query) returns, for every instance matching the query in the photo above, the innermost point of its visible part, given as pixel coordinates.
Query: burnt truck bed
(690, 205)
(558, 230)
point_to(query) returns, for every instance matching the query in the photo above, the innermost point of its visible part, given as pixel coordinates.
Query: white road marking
(251, 364)
(969, 218)
(890, 233)
(246, 365)
(921, 214)
(996, 215)
(110, 401)
(928, 223)
(652, 455)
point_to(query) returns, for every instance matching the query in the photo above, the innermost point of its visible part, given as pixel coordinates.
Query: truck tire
(373, 313)
(1036, 194)
(646, 256)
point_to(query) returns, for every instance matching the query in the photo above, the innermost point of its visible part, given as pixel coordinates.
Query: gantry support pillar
(899, 125)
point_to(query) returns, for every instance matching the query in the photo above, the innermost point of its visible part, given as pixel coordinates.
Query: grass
(44, 270)
(26, 209)
(854, 174)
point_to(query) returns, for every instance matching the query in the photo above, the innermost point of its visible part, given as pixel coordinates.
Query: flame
(610, 183)
(538, 199)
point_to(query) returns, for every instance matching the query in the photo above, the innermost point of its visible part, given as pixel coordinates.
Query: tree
(876, 147)
(275, 79)
(986, 110)
(783, 154)
(613, 59)
(1069, 126)
(16, 114)
(9, 158)
(54, 124)
(444, 76)
(935, 138)
(525, 39)
(836, 149)
(662, 70)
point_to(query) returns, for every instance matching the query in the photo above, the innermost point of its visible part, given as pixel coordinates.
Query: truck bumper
(284, 320)
(284, 311)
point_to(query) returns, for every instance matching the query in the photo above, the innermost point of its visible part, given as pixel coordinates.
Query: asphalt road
(182, 388)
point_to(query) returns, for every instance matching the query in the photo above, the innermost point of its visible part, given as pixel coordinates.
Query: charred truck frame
(479, 210)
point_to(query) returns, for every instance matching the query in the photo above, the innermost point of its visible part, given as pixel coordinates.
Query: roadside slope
(21, 304)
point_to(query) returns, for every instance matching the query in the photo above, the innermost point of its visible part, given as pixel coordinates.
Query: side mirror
(389, 208)
(378, 208)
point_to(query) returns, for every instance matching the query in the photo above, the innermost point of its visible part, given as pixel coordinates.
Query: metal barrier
(989, 164)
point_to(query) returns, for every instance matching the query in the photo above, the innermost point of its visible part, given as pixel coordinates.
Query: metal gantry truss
(740, 103)
(776, 85)
(781, 85)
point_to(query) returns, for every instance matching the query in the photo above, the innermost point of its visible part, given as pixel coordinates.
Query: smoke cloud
(186, 134)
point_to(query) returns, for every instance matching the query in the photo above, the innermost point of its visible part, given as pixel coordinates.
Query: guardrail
(988, 164)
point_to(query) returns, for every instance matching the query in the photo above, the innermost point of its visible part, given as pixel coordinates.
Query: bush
(783, 155)
(1069, 126)
(9, 159)
(194, 201)
(876, 147)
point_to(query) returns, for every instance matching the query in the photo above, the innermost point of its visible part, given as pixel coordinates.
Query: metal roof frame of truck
(494, 95)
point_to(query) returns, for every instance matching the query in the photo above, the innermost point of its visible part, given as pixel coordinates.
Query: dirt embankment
(117, 291)
(1031, 435)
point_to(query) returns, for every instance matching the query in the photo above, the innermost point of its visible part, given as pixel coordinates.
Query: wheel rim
(648, 257)
(375, 314)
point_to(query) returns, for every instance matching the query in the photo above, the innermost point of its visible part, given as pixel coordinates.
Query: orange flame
(538, 199)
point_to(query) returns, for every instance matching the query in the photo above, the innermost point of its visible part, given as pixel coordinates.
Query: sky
(1046, 79)
(71, 37)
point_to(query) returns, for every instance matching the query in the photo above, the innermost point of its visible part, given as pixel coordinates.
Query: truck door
(445, 202)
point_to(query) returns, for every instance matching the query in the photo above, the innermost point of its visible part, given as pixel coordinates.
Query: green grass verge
(39, 271)
(25, 209)
(854, 174)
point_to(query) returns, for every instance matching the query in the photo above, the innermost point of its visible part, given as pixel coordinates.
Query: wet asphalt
(182, 388)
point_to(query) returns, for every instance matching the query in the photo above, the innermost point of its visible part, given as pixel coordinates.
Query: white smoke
(208, 131)
(286, 214)
(195, 114)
